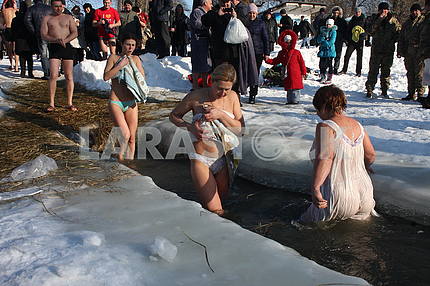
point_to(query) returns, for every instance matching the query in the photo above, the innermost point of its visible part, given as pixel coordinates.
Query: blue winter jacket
(326, 38)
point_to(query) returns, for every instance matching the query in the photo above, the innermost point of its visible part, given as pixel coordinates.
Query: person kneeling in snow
(292, 60)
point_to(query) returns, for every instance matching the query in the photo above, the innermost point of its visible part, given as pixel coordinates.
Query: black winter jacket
(34, 16)
(356, 21)
(259, 36)
(160, 10)
(272, 29)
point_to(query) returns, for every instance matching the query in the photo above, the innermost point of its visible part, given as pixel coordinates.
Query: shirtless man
(58, 30)
(8, 10)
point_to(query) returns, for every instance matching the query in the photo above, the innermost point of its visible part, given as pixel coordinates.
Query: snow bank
(106, 238)
(167, 74)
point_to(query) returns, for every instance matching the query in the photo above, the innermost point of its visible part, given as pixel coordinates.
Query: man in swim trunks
(8, 10)
(58, 30)
(106, 19)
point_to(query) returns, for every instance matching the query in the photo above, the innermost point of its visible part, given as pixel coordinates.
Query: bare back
(350, 127)
(8, 15)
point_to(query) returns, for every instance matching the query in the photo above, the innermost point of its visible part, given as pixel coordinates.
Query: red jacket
(293, 61)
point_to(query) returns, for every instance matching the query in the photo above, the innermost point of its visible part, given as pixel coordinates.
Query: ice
(40, 166)
(13, 195)
(164, 249)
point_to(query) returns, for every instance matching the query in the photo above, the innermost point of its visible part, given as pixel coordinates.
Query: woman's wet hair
(224, 72)
(128, 36)
(330, 99)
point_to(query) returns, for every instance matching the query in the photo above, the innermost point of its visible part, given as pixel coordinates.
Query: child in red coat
(292, 60)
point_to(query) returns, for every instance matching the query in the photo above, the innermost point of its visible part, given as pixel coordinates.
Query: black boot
(251, 99)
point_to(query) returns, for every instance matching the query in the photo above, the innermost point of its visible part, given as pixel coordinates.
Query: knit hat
(416, 7)
(383, 6)
(253, 8)
(283, 11)
(330, 22)
(287, 38)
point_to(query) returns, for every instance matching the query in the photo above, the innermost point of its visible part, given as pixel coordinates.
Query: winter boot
(329, 78)
(385, 95)
(322, 77)
(410, 97)
(251, 98)
(369, 93)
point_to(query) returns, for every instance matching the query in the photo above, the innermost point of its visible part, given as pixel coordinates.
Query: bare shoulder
(136, 59)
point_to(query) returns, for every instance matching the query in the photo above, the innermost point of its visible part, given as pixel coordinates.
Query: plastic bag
(426, 74)
(235, 33)
(33, 169)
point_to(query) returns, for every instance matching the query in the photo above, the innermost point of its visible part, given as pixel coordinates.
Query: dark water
(384, 251)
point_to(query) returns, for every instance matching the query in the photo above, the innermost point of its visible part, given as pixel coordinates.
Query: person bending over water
(342, 155)
(217, 120)
(128, 86)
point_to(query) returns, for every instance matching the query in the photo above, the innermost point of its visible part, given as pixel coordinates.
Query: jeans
(293, 95)
(44, 56)
(306, 42)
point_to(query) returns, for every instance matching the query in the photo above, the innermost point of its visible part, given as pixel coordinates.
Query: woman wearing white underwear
(217, 104)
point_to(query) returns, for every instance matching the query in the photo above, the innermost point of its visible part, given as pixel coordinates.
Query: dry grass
(28, 131)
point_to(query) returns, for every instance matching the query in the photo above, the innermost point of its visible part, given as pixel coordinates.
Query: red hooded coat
(292, 59)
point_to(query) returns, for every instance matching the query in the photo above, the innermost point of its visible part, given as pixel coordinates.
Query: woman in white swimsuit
(215, 104)
(122, 103)
(342, 154)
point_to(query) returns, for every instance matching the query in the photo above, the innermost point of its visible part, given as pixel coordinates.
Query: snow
(108, 238)
(399, 131)
(120, 237)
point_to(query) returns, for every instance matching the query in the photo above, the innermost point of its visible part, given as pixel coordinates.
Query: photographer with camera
(106, 19)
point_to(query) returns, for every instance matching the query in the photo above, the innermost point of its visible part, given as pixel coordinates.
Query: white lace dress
(348, 188)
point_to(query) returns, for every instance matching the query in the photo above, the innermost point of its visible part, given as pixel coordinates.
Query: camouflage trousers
(414, 72)
(383, 62)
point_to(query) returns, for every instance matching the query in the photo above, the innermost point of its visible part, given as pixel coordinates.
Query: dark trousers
(415, 68)
(93, 50)
(376, 62)
(254, 89)
(162, 38)
(272, 46)
(26, 60)
(338, 46)
(349, 51)
(181, 50)
(326, 63)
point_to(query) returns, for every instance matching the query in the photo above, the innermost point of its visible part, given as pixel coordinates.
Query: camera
(227, 10)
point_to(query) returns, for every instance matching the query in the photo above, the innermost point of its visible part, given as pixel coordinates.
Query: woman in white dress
(342, 154)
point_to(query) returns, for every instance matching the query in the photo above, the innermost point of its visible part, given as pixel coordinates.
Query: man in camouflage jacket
(407, 47)
(385, 30)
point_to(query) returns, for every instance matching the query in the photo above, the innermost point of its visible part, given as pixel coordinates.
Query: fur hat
(283, 11)
(253, 8)
(329, 22)
(416, 7)
(383, 6)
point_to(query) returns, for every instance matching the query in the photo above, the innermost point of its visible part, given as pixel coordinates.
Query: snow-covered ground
(105, 238)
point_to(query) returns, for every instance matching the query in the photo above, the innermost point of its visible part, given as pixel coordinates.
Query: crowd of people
(229, 42)
(166, 30)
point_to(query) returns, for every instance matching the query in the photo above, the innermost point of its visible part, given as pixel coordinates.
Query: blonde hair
(224, 72)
